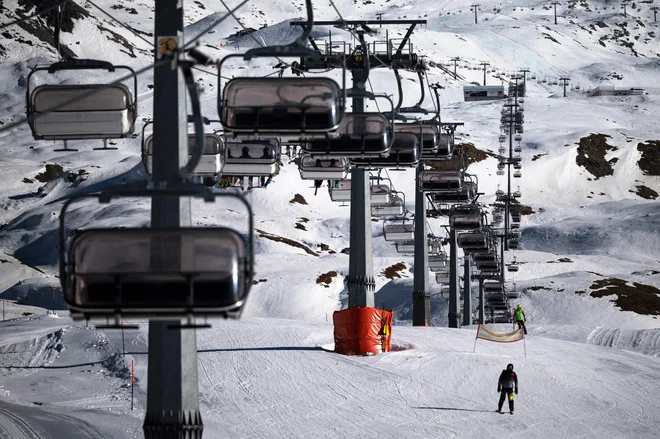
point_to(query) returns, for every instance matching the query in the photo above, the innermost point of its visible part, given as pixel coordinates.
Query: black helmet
(509, 367)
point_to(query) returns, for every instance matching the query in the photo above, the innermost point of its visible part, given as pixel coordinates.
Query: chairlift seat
(213, 159)
(359, 135)
(252, 158)
(298, 107)
(513, 244)
(399, 232)
(157, 272)
(98, 111)
(512, 268)
(311, 168)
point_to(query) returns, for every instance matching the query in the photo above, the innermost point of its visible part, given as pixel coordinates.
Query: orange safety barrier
(362, 331)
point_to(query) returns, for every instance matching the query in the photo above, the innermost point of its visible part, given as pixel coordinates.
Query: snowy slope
(584, 230)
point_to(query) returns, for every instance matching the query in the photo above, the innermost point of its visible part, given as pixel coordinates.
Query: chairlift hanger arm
(406, 37)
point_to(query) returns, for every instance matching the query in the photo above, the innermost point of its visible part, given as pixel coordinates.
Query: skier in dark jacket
(507, 385)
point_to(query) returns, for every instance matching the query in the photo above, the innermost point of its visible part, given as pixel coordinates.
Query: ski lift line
(36, 14)
(262, 44)
(215, 74)
(102, 87)
(214, 24)
(124, 25)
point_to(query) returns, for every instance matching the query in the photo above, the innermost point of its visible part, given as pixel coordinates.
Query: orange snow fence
(362, 331)
(484, 333)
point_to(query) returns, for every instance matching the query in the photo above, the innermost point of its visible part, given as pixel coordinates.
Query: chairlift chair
(380, 193)
(517, 194)
(499, 172)
(435, 247)
(433, 180)
(473, 241)
(517, 148)
(487, 256)
(442, 277)
(488, 266)
(405, 247)
(81, 111)
(501, 150)
(517, 137)
(341, 192)
(437, 263)
(291, 108)
(493, 286)
(214, 153)
(252, 158)
(394, 208)
(502, 138)
(517, 174)
(333, 169)
(513, 243)
(395, 231)
(152, 272)
(512, 268)
(359, 135)
(466, 219)
(514, 225)
(404, 153)
(517, 165)
(427, 134)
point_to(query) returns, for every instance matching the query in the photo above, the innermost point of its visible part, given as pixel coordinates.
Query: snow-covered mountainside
(589, 257)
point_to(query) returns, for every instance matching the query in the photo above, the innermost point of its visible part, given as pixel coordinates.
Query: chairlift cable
(245, 29)
(36, 14)
(214, 24)
(130, 29)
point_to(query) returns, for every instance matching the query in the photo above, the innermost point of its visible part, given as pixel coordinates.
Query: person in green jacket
(519, 318)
